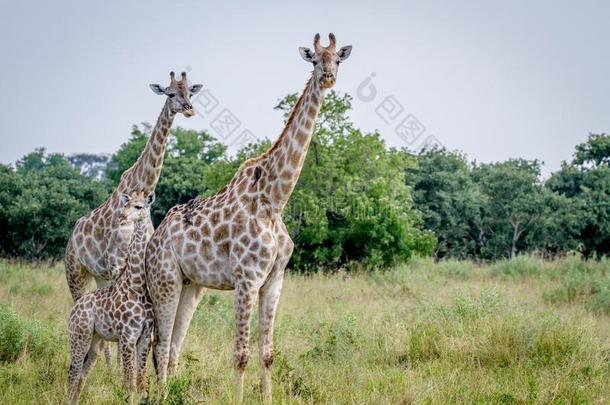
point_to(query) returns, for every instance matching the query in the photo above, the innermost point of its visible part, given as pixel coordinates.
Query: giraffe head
(325, 60)
(135, 207)
(179, 93)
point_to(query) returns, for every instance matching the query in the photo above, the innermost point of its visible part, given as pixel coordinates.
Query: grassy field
(521, 331)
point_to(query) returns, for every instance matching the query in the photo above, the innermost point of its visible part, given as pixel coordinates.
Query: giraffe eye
(315, 63)
(171, 95)
(138, 207)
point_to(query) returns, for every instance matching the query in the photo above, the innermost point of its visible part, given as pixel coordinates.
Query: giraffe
(121, 311)
(90, 252)
(236, 240)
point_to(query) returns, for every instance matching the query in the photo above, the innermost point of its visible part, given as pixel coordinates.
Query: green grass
(520, 331)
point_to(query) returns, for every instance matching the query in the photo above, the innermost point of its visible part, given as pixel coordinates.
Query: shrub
(19, 337)
(521, 266)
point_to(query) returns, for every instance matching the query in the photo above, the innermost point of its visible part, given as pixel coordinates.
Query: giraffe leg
(94, 352)
(127, 347)
(165, 304)
(77, 275)
(142, 349)
(80, 329)
(269, 296)
(189, 299)
(245, 298)
(101, 283)
(90, 358)
(75, 377)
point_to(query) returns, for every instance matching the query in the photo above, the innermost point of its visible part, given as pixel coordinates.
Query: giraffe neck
(286, 157)
(145, 172)
(133, 273)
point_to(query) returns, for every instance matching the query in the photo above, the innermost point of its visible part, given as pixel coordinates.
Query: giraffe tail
(154, 357)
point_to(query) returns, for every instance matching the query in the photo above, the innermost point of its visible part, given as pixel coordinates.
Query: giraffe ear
(306, 54)
(150, 199)
(344, 52)
(157, 89)
(194, 89)
(123, 199)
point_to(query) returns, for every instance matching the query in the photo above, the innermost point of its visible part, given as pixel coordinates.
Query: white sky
(493, 79)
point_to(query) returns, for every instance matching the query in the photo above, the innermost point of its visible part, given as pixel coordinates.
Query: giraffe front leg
(165, 306)
(189, 299)
(269, 296)
(245, 298)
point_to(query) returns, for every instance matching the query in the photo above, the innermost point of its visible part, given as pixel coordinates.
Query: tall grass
(520, 331)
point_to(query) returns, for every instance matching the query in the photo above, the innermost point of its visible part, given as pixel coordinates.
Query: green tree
(595, 152)
(450, 201)
(586, 182)
(351, 202)
(185, 173)
(48, 198)
(11, 186)
(515, 205)
(128, 153)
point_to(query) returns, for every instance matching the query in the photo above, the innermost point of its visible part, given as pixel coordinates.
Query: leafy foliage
(185, 169)
(41, 199)
(450, 200)
(586, 181)
(357, 202)
(351, 202)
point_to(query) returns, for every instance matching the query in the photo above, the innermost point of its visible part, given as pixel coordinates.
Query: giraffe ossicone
(236, 239)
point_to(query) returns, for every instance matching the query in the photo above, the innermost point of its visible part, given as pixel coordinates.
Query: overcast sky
(493, 80)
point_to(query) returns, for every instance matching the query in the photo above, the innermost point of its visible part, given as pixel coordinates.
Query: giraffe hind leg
(81, 346)
(165, 306)
(79, 279)
(92, 354)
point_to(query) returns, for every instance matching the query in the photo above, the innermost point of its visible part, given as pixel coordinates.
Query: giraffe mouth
(188, 113)
(327, 83)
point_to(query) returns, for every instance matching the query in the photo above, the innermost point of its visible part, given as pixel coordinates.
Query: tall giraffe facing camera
(236, 240)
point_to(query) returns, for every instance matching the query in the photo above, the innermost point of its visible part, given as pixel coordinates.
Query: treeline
(491, 211)
(357, 203)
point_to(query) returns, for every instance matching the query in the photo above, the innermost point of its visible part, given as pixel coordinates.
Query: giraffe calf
(121, 312)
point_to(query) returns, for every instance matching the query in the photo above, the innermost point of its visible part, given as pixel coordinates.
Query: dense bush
(40, 200)
(21, 337)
